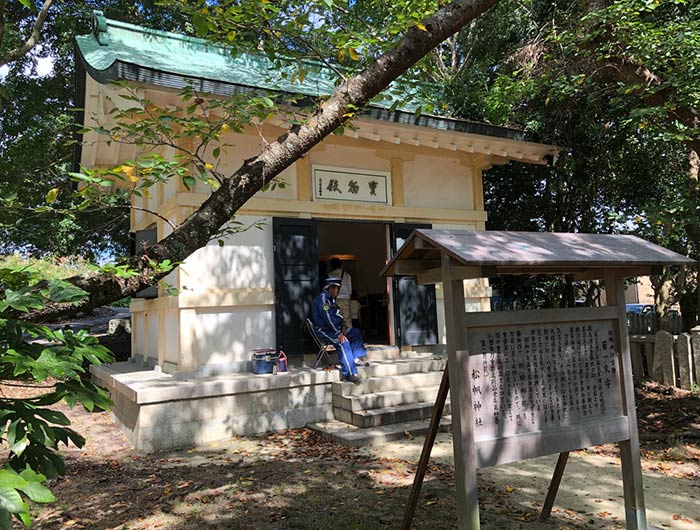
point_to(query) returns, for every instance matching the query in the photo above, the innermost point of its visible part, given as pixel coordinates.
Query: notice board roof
(490, 253)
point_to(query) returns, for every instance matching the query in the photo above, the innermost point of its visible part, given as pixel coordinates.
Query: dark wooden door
(296, 281)
(415, 308)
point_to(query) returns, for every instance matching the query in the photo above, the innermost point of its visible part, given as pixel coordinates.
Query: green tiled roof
(114, 42)
(117, 50)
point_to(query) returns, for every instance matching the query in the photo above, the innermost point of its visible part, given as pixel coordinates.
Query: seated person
(330, 328)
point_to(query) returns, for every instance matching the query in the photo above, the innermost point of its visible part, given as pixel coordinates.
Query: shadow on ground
(292, 480)
(296, 480)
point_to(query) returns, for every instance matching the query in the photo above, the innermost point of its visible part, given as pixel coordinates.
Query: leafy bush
(33, 355)
(51, 268)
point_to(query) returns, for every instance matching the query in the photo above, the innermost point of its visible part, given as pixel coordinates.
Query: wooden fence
(650, 323)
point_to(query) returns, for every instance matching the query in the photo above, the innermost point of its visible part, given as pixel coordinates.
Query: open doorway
(362, 248)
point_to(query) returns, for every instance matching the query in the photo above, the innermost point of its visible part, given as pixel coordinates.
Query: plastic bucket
(281, 362)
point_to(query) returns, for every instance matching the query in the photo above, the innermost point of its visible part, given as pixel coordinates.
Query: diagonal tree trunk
(236, 189)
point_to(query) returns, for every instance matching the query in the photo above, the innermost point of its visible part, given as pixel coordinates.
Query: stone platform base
(159, 412)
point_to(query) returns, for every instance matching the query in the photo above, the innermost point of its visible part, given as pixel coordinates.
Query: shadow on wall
(245, 261)
(260, 405)
(226, 336)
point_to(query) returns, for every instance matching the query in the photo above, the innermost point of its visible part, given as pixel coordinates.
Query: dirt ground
(295, 480)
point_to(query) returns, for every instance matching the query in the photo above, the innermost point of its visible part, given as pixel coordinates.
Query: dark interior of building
(362, 247)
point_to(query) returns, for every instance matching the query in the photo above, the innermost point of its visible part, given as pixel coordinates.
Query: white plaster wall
(172, 336)
(246, 260)
(437, 182)
(170, 186)
(228, 335)
(151, 343)
(348, 157)
(138, 330)
(139, 204)
(172, 279)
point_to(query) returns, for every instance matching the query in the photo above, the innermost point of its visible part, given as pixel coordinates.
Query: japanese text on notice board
(541, 377)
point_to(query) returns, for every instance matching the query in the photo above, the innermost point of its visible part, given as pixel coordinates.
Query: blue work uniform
(328, 322)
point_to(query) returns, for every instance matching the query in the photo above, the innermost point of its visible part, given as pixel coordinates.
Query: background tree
(615, 85)
(36, 126)
(540, 75)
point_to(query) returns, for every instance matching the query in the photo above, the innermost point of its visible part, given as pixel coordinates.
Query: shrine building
(355, 196)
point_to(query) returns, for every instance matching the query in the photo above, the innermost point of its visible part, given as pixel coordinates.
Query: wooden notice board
(542, 382)
(523, 384)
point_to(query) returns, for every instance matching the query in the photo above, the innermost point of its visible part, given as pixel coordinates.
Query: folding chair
(323, 354)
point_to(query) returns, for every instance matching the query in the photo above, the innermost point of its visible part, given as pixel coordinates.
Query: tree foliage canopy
(31, 430)
(614, 84)
(36, 129)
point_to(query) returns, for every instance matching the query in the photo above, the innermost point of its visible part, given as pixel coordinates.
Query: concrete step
(382, 352)
(425, 363)
(374, 385)
(392, 353)
(376, 353)
(345, 434)
(391, 398)
(388, 415)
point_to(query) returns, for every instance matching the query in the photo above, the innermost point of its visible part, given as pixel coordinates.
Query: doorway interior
(363, 249)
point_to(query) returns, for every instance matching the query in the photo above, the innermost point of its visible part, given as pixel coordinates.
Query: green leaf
(5, 520)
(12, 501)
(189, 182)
(27, 4)
(26, 518)
(53, 416)
(38, 493)
(10, 479)
(22, 300)
(19, 446)
(34, 489)
(69, 435)
(60, 291)
(200, 25)
(52, 195)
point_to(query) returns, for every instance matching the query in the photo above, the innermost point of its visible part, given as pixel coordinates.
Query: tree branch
(33, 39)
(631, 73)
(222, 204)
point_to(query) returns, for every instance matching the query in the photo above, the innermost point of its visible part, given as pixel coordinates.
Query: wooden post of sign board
(554, 485)
(427, 448)
(635, 512)
(467, 500)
